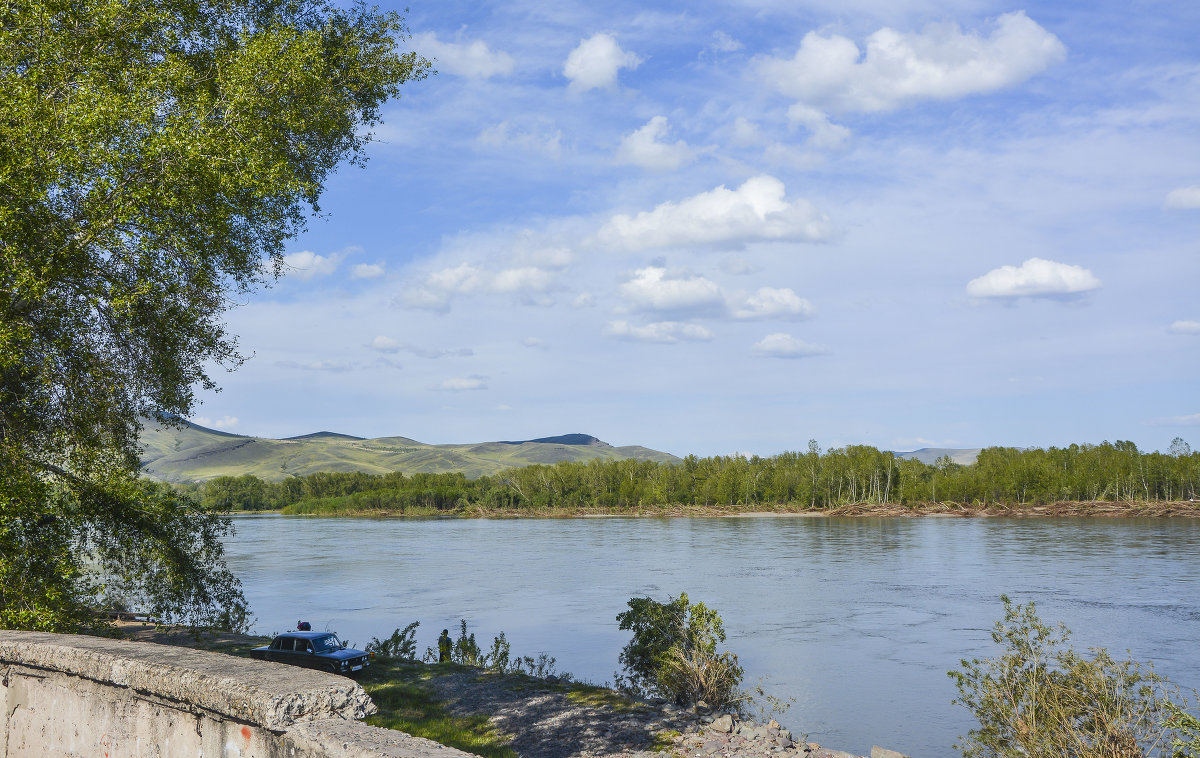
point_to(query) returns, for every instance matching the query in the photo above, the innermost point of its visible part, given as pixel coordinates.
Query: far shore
(1061, 509)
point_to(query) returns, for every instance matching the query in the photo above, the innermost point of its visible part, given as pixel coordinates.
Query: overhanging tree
(153, 154)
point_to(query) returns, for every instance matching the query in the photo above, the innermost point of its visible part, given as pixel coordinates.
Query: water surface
(856, 619)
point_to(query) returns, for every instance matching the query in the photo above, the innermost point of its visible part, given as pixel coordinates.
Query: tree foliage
(153, 155)
(1040, 697)
(673, 652)
(812, 479)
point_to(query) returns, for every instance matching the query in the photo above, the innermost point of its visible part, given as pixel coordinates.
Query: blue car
(314, 650)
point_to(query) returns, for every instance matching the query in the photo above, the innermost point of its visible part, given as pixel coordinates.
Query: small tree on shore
(673, 652)
(1040, 698)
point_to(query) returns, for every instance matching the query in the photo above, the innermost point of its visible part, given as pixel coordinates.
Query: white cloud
(547, 140)
(823, 133)
(769, 302)
(723, 43)
(940, 62)
(745, 132)
(651, 289)
(595, 62)
(1035, 277)
(225, 422)
(644, 148)
(757, 210)
(584, 300)
(463, 384)
(662, 332)
(1184, 198)
(473, 60)
(526, 279)
(385, 344)
(440, 287)
(307, 264)
(782, 345)
(1185, 327)
(367, 271)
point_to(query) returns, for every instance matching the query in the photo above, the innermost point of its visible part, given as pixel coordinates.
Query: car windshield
(328, 642)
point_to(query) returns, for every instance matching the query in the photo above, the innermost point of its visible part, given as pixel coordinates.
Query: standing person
(444, 646)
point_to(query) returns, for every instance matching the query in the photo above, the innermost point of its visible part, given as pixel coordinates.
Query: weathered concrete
(68, 695)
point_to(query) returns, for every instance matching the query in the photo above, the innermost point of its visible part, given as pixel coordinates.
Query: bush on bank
(1041, 698)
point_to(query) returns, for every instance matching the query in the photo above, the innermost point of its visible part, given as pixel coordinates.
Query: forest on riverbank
(810, 480)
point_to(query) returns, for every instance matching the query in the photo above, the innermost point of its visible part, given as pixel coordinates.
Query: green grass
(407, 706)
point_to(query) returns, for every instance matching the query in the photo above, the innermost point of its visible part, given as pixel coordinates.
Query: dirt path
(550, 722)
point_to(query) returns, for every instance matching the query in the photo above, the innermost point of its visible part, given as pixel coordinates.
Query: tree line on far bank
(811, 480)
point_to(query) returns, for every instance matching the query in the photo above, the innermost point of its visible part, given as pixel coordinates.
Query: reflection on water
(857, 619)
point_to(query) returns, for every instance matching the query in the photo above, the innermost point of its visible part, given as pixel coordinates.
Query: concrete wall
(71, 695)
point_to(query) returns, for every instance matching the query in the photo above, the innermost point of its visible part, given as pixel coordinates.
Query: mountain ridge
(187, 452)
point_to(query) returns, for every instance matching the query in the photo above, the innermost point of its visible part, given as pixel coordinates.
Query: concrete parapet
(80, 695)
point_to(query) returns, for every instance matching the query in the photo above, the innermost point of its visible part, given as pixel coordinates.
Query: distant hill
(196, 453)
(965, 456)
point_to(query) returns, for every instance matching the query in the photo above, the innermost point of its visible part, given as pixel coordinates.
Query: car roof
(305, 635)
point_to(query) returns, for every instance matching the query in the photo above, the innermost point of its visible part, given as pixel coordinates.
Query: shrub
(1040, 698)
(673, 652)
(401, 646)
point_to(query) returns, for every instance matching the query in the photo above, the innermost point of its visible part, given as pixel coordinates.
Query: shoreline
(1061, 509)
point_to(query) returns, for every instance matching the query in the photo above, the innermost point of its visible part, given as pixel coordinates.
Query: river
(857, 619)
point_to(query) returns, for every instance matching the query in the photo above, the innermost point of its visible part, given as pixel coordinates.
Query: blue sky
(717, 227)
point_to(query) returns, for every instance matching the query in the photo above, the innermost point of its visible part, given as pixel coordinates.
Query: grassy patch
(601, 697)
(406, 705)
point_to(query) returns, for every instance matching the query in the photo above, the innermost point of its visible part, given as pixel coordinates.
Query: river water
(856, 619)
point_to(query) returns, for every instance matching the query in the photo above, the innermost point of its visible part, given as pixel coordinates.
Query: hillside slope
(196, 453)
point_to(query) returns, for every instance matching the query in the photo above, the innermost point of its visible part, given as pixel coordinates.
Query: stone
(782, 741)
(772, 724)
(711, 747)
(723, 723)
(883, 752)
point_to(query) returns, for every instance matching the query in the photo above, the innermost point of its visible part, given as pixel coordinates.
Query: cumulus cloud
(473, 60)
(583, 300)
(643, 147)
(1035, 277)
(823, 134)
(662, 332)
(385, 344)
(463, 384)
(306, 264)
(225, 422)
(941, 62)
(367, 271)
(1185, 327)
(653, 289)
(1184, 198)
(783, 345)
(441, 286)
(757, 210)
(595, 62)
(769, 302)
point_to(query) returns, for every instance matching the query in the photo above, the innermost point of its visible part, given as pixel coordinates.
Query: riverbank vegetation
(848, 478)
(1040, 697)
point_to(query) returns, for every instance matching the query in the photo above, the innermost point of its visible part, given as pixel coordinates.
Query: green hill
(195, 453)
(930, 455)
